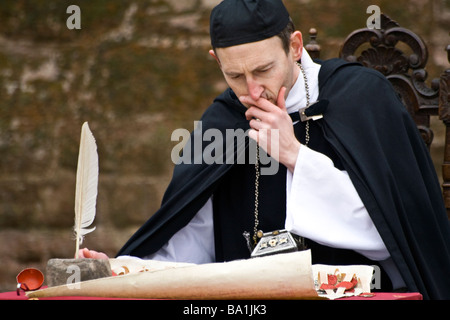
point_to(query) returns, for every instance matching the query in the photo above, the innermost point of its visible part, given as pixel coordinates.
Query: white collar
(297, 96)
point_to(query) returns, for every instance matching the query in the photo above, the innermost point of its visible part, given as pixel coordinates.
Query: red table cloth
(12, 295)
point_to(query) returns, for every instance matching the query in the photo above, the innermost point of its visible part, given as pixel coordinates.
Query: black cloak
(365, 130)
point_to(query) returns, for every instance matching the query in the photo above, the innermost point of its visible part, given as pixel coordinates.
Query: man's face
(259, 69)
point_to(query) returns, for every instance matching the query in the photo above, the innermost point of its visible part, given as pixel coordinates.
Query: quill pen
(86, 186)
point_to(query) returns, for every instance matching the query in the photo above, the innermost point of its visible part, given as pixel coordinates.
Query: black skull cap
(235, 22)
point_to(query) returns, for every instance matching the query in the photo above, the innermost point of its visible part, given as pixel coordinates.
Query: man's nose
(255, 89)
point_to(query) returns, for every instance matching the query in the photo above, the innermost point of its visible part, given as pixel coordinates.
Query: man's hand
(264, 117)
(91, 254)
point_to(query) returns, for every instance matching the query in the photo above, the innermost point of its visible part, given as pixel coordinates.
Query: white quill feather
(86, 186)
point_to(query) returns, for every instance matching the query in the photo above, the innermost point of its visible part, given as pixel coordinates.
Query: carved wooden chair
(401, 56)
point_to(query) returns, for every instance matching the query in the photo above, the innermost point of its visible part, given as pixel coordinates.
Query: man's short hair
(285, 35)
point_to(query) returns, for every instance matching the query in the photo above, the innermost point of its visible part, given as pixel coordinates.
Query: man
(355, 178)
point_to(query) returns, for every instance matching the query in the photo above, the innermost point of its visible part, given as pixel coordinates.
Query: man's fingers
(253, 134)
(247, 100)
(261, 103)
(254, 113)
(281, 103)
(258, 124)
(91, 254)
(87, 254)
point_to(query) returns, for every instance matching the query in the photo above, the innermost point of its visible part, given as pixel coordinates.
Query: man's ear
(213, 54)
(296, 45)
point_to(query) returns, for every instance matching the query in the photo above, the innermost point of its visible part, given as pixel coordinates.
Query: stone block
(70, 271)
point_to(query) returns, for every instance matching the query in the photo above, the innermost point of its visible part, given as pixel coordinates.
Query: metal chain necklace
(258, 233)
(307, 101)
(257, 174)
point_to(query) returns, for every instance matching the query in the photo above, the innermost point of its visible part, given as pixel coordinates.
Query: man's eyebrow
(263, 66)
(232, 73)
(256, 69)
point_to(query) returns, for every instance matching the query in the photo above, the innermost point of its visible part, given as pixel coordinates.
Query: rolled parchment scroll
(282, 276)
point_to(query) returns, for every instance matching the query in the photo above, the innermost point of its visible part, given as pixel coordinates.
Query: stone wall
(136, 70)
